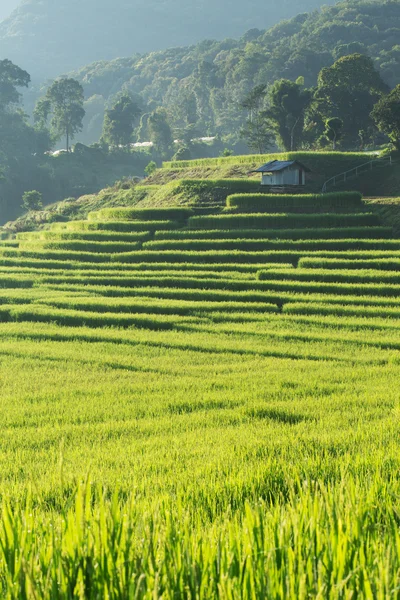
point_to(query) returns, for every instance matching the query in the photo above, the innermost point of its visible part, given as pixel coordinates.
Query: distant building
(283, 173)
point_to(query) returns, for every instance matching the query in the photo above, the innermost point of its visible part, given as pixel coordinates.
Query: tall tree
(119, 121)
(286, 115)
(63, 103)
(349, 90)
(333, 130)
(386, 115)
(160, 131)
(256, 130)
(12, 77)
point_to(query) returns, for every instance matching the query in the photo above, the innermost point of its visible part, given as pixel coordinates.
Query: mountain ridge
(37, 35)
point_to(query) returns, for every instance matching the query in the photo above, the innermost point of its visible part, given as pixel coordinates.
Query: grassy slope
(244, 423)
(167, 187)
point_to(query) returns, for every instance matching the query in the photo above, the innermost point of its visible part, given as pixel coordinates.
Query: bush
(282, 202)
(150, 168)
(32, 200)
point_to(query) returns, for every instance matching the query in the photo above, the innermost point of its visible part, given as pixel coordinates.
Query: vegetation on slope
(203, 85)
(39, 32)
(236, 411)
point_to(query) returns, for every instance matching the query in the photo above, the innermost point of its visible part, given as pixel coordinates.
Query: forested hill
(203, 84)
(48, 37)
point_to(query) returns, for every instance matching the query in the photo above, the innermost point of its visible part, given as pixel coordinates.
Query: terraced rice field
(201, 407)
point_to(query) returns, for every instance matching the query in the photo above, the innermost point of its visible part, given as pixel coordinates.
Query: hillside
(202, 405)
(205, 184)
(211, 78)
(48, 38)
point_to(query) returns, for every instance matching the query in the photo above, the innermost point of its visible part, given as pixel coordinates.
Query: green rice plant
(81, 246)
(283, 221)
(330, 275)
(141, 214)
(203, 191)
(208, 257)
(271, 203)
(77, 318)
(152, 306)
(122, 226)
(16, 281)
(66, 265)
(384, 264)
(338, 158)
(56, 255)
(316, 308)
(294, 234)
(340, 289)
(273, 244)
(321, 539)
(96, 236)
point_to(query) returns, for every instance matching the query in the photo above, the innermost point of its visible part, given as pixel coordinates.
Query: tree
(333, 129)
(386, 115)
(32, 200)
(150, 168)
(160, 131)
(11, 78)
(64, 104)
(349, 90)
(119, 121)
(256, 130)
(289, 102)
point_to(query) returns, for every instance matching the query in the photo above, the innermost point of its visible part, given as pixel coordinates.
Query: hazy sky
(6, 6)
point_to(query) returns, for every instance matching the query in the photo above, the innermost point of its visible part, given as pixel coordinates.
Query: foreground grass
(314, 541)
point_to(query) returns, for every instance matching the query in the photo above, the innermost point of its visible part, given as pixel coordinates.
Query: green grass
(282, 221)
(201, 423)
(272, 203)
(293, 234)
(307, 158)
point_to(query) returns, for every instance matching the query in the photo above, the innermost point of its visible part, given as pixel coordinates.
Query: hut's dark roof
(279, 165)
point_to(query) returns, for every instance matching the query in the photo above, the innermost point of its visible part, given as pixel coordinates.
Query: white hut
(283, 173)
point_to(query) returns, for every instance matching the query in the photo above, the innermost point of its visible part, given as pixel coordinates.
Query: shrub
(282, 203)
(32, 200)
(150, 168)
